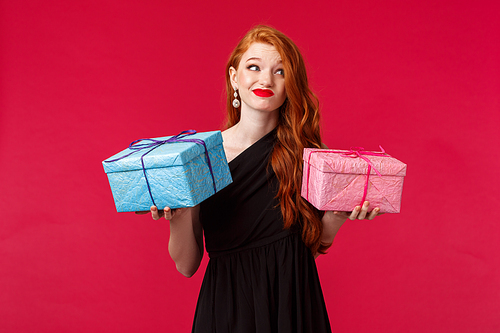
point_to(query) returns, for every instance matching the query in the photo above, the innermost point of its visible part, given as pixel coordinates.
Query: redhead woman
(261, 236)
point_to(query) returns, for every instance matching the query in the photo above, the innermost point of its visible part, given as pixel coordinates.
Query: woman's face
(260, 78)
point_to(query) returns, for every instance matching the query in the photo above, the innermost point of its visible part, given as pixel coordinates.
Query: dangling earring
(236, 102)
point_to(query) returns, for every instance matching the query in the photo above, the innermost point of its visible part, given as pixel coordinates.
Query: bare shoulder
(228, 137)
(230, 147)
(226, 134)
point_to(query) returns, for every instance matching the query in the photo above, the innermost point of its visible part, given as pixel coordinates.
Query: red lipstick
(263, 92)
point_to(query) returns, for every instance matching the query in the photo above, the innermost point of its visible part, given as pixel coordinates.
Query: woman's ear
(233, 77)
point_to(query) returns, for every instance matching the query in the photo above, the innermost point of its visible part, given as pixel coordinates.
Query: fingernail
(357, 208)
(366, 204)
(377, 209)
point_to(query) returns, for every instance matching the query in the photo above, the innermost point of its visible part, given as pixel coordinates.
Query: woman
(261, 236)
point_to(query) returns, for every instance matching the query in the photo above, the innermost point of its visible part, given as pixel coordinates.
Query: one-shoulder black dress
(260, 277)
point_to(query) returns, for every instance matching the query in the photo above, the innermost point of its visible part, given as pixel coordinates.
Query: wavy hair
(298, 128)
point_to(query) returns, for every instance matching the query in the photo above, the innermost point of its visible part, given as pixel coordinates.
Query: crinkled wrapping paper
(178, 174)
(335, 182)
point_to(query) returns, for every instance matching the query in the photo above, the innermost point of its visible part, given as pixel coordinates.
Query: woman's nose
(266, 78)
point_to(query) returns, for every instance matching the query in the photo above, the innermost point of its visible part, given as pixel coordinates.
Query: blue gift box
(168, 174)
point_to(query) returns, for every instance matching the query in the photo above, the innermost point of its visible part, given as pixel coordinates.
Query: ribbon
(135, 146)
(354, 152)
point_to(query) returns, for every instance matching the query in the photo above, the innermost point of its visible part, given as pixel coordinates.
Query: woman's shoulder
(231, 147)
(226, 134)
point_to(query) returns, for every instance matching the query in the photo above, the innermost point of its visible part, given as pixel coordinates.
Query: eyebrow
(253, 58)
(257, 58)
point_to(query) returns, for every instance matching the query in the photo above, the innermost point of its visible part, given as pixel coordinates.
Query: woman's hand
(360, 213)
(333, 220)
(167, 213)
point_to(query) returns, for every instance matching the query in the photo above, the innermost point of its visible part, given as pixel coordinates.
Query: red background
(81, 79)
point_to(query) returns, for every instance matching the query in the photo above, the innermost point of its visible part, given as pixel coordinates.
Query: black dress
(260, 278)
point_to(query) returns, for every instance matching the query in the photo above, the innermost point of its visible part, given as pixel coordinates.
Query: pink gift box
(337, 179)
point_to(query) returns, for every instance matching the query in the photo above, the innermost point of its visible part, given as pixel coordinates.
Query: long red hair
(298, 128)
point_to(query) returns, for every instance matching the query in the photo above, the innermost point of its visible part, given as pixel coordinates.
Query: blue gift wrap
(168, 173)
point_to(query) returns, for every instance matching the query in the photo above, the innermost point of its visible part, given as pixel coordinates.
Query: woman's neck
(251, 128)
(253, 125)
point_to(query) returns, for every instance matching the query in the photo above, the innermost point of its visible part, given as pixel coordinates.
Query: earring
(236, 102)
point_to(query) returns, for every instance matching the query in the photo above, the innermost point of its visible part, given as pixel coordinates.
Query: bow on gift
(152, 144)
(354, 152)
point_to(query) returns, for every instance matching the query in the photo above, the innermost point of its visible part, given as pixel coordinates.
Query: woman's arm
(333, 220)
(185, 245)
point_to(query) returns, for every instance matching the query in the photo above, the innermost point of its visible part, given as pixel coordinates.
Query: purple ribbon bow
(135, 146)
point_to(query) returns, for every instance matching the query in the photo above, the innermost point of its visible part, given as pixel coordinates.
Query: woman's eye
(253, 67)
(280, 72)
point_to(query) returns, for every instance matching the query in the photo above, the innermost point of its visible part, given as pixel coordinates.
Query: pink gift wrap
(333, 181)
